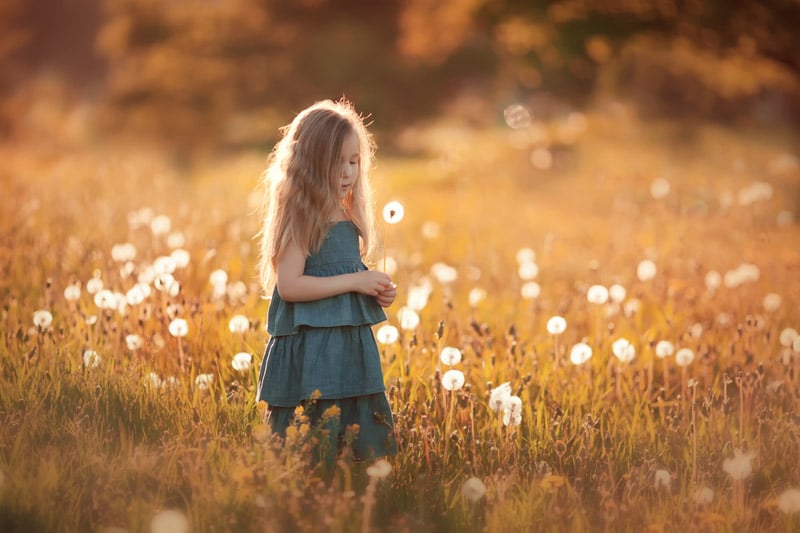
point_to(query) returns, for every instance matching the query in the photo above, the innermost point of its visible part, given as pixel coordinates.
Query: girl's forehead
(351, 144)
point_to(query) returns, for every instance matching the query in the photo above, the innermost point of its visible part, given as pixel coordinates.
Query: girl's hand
(372, 282)
(386, 297)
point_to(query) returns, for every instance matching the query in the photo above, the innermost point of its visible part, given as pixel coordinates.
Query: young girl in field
(317, 227)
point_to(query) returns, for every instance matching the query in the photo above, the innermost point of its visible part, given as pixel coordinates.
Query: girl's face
(350, 164)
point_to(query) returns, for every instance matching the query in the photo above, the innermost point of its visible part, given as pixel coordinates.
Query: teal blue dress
(325, 349)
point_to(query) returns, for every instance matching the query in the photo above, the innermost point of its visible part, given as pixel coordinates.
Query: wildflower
(713, 280)
(178, 327)
(597, 294)
(204, 381)
(526, 255)
(443, 273)
(772, 302)
(512, 411)
(580, 353)
(556, 325)
(623, 350)
(181, 257)
(684, 357)
(409, 319)
(169, 521)
(91, 358)
(72, 292)
(646, 270)
(499, 396)
(239, 324)
(739, 466)
(664, 349)
(662, 479)
(450, 356)
(387, 334)
(789, 501)
(617, 293)
(473, 489)
(476, 296)
(393, 212)
(704, 496)
(242, 361)
(659, 188)
(787, 336)
(453, 380)
(528, 270)
(42, 319)
(379, 469)
(160, 225)
(530, 290)
(133, 342)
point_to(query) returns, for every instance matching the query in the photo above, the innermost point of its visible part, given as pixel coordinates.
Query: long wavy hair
(302, 183)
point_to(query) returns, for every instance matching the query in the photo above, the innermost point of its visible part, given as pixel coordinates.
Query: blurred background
(209, 76)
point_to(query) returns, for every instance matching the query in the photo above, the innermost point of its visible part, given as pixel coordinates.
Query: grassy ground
(606, 445)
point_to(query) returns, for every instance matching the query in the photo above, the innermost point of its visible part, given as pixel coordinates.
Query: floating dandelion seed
(512, 411)
(387, 334)
(646, 270)
(664, 349)
(204, 381)
(526, 255)
(443, 273)
(453, 380)
(499, 396)
(379, 469)
(530, 290)
(169, 521)
(91, 359)
(617, 293)
(740, 466)
(787, 336)
(684, 357)
(659, 188)
(476, 296)
(556, 325)
(393, 212)
(704, 496)
(239, 324)
(473, 489)
(450, 356)
(133, 341)
(160, 225)
(772, 302)
(408, 318)
(580, 353)
(528, 270)
(597, 294)
(42, 319)
(72, 292)
(662, 479)
(242, 361)
(623, 350)
(789, 501)
(178, 327)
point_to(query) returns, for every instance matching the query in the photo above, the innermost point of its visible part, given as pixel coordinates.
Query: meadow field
(596, 329)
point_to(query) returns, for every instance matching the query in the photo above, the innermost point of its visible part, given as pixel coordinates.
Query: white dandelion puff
(556, 325)
(42, 319)
(393, 212)
(703, 496)
(387, 334)
(160, 225)
(408, 318)
(526, 255)
(659, 188)
(662, 479)
(379, 469)
(204, 381)
(617, 293)
(512, 411)
(242, 361)
(239, 324)
(580, 353)
(450, 355)
(713, 280)
(789, 501)
(72, 292)
(430, 230)
(476, 296)
(664, 349)
(178, 327)
(740, 466)
(517, 116)
(597, 294)
(473, 489)
(218, 277)
(133, 341)
(787, 336)
(137, 294)
(646, 270)
(772, 302)
(176, 239)
(530, 290)
(623, 350)
(181, 257)
(444, 273)
(94, 285)
(124, 252)
(499, 395)
(684, 357)
(453, 380)
(91, 359)
(528, 270)
(169, 521)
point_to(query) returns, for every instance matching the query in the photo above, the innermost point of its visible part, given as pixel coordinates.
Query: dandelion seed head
(787, 336)
(473, 489)
(379, 469)
(663, 479)
(218, 277)
(556, 325)
(163, 281)
(178, 327)
(664, 349)
(696, 330)
(517, 116)
(387, 334)
(176, 239)
(42, 319)
(450, 356)
(169, 521)
(137, 294)
(512, 411)
(684, 357)
(499, 395)
(713, 280)
(418, 297)
(181, 257)
(147, 275)
(526, 255)
(152, 380)
(444, 273)
(476, 296)
(104, 299)
(528, 270)
(453, 380)
(164, 264)
(236, 290)
(204, 381)
(408, 318)
(94, 285)
(659, 188)
(239, 324)
(623, 350)
(789, 501)
(393, 212)
(160, 225)
(242, 361)
(133, 341)
(757, 191)
(391, 265)
(530, 290)
(631, 307)
(772, 302)
(740, 466)
(646, 270)
(91, 359)
(703, 496)
(617, 293)
(72, 292)
(580, 353)
(597, 294)
(431, 230)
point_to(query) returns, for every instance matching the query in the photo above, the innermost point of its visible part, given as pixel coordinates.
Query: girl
(317, 226)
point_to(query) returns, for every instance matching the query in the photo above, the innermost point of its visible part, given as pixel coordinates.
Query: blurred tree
(13, 37)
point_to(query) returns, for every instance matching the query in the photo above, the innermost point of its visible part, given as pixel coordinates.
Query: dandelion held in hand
(393, 213)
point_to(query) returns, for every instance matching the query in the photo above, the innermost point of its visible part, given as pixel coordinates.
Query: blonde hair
(301, 184)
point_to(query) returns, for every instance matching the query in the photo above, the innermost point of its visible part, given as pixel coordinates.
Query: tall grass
(601, 446)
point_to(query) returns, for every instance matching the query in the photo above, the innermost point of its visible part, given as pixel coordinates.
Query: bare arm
(294, 286)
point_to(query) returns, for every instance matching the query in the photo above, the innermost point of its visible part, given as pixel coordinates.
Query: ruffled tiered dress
(325, 349)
